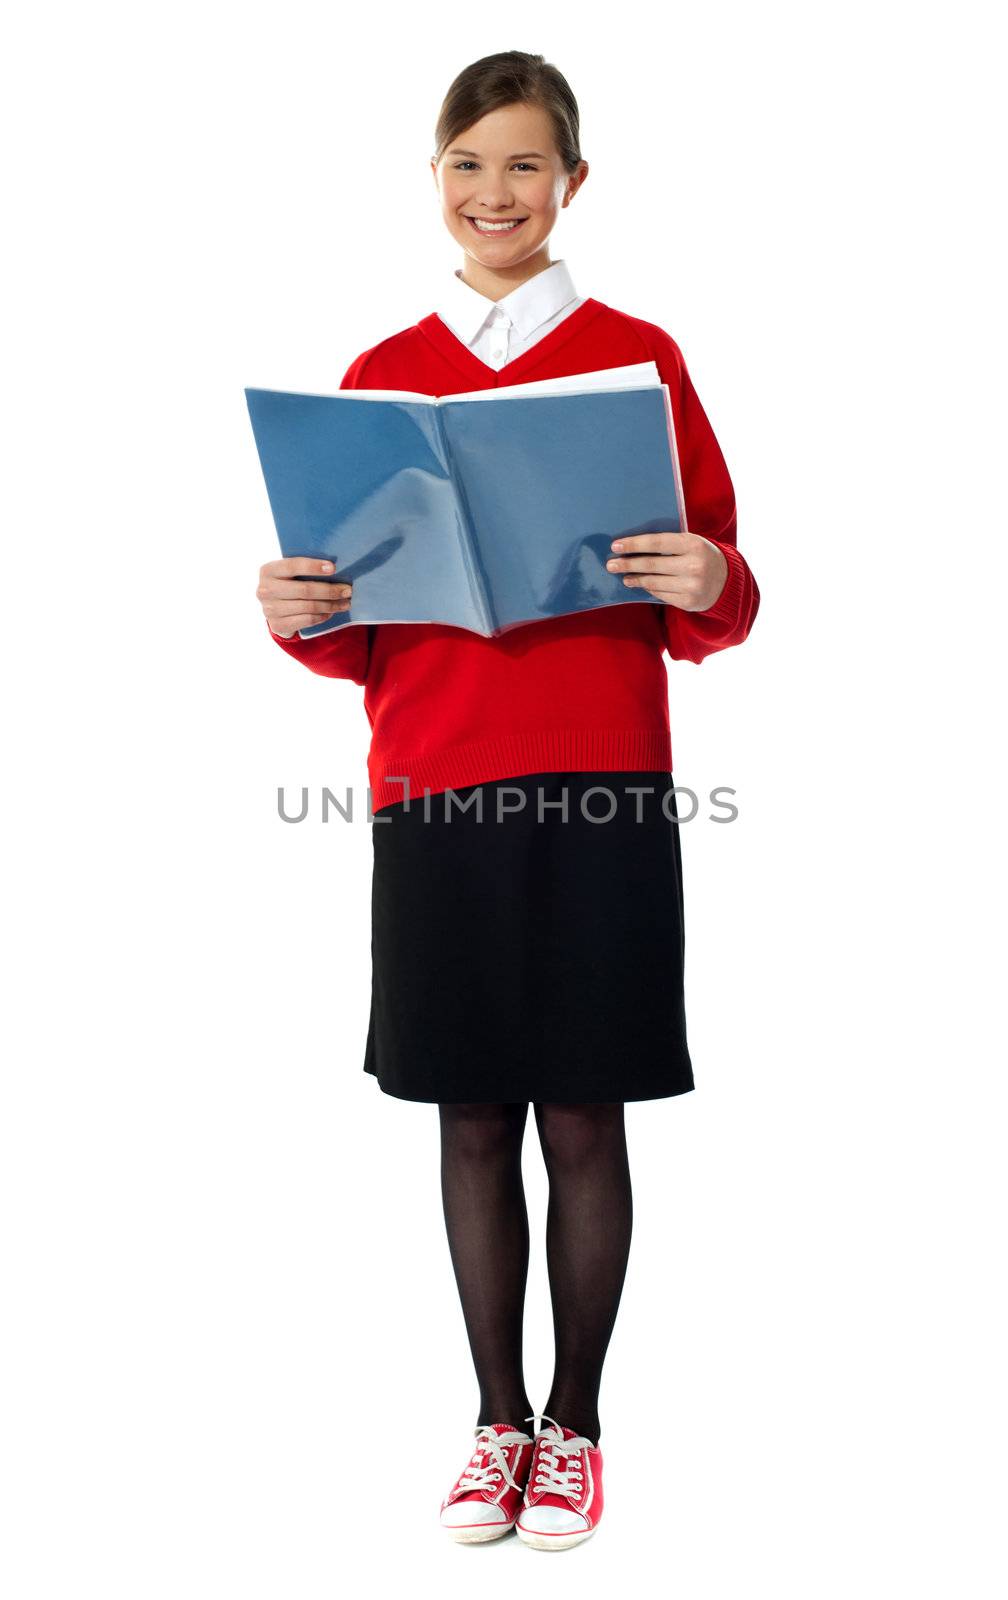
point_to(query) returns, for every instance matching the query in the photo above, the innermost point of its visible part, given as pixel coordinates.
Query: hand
(290, 600)
(679, 569)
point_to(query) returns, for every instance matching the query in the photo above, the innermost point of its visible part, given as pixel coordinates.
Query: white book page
(641, 375)
(362, 394)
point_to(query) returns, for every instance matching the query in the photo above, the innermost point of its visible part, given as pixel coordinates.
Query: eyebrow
(518, 156)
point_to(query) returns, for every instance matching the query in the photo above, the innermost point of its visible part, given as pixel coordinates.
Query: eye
(460, 164)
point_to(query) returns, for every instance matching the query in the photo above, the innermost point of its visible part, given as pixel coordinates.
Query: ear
(578, 178)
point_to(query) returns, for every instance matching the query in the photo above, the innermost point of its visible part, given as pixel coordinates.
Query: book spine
(470, 548)
(674, 453)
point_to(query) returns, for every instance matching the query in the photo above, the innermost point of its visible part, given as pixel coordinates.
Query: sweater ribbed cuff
(727, 606)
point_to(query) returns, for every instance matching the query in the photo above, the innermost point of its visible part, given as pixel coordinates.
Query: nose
(498, 199)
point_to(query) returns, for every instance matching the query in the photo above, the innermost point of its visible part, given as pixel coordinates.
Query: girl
(527, 912)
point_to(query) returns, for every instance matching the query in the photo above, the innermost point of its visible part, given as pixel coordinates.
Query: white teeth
(496, 227)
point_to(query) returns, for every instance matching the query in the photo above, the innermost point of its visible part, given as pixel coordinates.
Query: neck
(496, 284)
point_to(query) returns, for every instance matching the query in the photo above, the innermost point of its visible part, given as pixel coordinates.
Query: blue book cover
(482, 511)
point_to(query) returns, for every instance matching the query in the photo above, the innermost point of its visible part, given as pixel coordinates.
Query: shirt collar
(465, 310)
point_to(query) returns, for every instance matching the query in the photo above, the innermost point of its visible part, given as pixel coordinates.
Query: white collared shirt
(496, 331)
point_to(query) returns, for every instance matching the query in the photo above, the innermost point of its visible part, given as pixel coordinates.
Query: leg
(588, 1227)
(488, 1236)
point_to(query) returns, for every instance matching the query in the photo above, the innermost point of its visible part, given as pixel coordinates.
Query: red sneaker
(487, 1497)
(563, 1500)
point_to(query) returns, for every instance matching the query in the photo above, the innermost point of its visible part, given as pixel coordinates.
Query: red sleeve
(346, 652)
(710, 512)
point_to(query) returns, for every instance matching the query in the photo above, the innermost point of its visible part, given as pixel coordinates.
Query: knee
(572, 1134)
(482, 1132)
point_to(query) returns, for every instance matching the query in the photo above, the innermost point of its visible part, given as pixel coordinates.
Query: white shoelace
(488, 1465)
(555, 1474)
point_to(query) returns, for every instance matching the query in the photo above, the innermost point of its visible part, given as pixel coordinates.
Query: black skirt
(521, 954)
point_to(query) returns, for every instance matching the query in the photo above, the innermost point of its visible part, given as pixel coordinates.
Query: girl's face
(505, 169)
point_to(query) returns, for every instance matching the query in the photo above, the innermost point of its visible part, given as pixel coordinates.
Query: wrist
(724, 608)
(724, 571)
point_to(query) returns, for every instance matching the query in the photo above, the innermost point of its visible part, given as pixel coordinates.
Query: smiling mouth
(488, 228)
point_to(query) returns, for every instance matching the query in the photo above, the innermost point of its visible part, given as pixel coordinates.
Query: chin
(473, 241)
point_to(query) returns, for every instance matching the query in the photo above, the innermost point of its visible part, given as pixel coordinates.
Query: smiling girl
(527, 907)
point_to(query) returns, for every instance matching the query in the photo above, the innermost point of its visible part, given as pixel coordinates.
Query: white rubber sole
(551, 1541)
(478, 1535)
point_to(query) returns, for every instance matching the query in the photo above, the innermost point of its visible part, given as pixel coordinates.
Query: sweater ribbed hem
(517, 755)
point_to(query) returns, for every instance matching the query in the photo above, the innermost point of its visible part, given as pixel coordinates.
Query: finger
(300, 589)
(316, 608)
(296, 567)
(667, 564)
(629, 543)
(291, 625)
(668, 591)
(305, 619)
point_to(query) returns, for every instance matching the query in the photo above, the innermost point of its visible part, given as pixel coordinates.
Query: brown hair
(504, 79)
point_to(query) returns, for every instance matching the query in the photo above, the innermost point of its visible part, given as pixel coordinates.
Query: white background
(233, 1359)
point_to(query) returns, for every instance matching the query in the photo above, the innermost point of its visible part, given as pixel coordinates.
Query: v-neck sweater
(586, 692)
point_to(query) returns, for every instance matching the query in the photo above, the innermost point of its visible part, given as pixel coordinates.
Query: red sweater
(587, 692)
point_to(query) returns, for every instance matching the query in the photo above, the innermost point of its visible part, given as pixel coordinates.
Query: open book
(483, 511)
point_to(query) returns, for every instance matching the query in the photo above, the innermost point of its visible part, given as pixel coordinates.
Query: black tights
(588, 1226)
